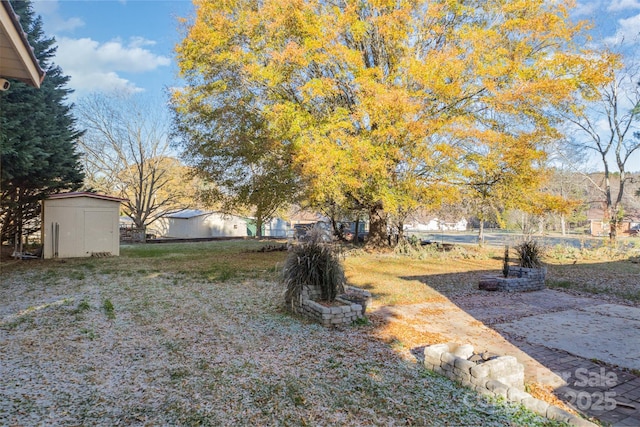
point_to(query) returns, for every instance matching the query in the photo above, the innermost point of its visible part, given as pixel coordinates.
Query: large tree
(127, 152)
(369, 99)
(246, 169)
(37, 137)
(605, 123)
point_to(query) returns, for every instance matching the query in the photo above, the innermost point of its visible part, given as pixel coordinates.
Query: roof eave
(18, 38)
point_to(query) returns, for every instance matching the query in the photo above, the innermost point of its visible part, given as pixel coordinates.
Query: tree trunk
(259, 223)
(481, 227)
(336, 229)
(613, 224)
(563, 225)
(615, 217)
(400, 235)
(356, 231)
(377, 226)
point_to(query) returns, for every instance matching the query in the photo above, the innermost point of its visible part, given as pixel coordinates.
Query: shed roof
(85, 194)
(192, 213)
(17, 59)
(187, 213)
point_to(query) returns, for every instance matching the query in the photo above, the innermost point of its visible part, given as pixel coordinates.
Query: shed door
(98, 231)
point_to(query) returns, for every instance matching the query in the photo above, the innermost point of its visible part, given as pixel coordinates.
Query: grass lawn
(196, 334)
(603, 271)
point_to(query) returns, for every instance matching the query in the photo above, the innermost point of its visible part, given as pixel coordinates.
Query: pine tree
(37, 137)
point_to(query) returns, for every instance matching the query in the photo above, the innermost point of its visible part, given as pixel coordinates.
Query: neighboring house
(194, 223)
(78, 224)
(277, 227)
(298, 216)
(599, 226)
(434, 224)
(17, 59)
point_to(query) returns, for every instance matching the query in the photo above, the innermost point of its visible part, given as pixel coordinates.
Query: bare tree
(127, 152)
(608, 127)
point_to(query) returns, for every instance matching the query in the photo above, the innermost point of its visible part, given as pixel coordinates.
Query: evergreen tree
(37, 137)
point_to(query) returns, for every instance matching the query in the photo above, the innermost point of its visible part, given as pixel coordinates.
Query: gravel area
(81, 347)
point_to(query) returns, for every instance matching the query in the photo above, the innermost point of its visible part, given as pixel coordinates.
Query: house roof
(17, 59)
(85, 194)
(598, 214)
(301, 216)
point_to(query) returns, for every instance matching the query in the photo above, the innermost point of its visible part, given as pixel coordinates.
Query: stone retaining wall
(345, 313)
(501, 376)
(520, 279)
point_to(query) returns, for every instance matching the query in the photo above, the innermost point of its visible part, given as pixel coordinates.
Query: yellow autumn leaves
(399, 103)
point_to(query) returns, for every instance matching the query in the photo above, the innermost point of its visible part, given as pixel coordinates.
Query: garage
(76, 225)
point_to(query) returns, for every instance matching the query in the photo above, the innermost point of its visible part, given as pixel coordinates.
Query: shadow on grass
(574, 288)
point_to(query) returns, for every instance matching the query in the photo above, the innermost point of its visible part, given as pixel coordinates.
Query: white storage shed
(76, 225)
(194, 224)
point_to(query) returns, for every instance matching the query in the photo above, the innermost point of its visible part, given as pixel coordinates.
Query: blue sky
(127, 45)
(116, 46)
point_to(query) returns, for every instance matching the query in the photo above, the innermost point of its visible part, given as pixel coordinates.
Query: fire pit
(519, 279)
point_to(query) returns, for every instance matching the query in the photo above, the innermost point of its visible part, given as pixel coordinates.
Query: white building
(194, 223)
(80, 224)
(278, 227)
(435, 224)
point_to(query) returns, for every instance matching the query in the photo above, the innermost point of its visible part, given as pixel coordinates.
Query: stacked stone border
(501, 376)
(344, 314)
(519, 279)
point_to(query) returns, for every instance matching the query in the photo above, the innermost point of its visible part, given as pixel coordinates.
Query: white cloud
(621, 5)
(140, 41)
(97, 81)
(628, 31)
(54, 23)
(585, 9)
(94, 66)
(630, 27)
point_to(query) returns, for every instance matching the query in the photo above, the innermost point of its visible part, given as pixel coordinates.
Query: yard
(196, 334)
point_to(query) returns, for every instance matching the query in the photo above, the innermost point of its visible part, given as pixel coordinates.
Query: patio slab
(608, 333)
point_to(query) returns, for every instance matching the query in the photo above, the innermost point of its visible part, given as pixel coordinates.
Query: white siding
(212, 224)
(436, 225)
(85, 225)
(225, 225)
(277, 227)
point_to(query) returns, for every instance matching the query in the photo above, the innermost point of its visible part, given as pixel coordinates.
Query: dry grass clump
(530, 253)
(313, 263)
